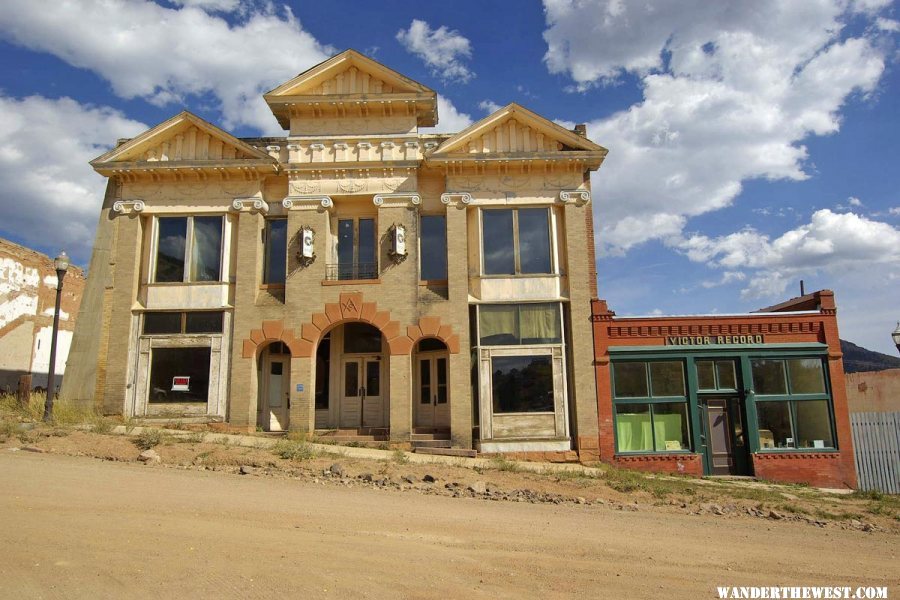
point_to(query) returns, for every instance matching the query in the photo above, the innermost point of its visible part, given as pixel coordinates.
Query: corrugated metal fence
(876, 443)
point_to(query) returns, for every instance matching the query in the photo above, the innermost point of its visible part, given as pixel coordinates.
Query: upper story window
(356, 246)
(275, 267)
(516, 241)
(433, 248)
(520, 324)
(188, 249)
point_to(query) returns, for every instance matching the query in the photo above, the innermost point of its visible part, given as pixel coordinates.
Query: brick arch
(271, 331)
(432, 327)
(350, 307)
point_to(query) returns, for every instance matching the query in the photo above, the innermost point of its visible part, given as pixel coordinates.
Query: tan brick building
(353, 276)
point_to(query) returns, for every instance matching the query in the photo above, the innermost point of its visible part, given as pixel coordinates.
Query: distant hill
(857, 358)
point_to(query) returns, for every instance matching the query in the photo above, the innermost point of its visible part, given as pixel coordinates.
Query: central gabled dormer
(351, 94)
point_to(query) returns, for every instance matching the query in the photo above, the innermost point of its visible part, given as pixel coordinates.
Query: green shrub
(293, 450)
(148, 438)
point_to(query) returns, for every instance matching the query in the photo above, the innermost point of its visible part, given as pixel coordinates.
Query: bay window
(188, 249)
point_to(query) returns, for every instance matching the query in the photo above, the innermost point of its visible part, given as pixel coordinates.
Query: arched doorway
(274, 378)
(351, 387)
(431, 400)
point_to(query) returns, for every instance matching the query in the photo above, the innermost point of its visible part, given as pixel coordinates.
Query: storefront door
(361, 400)
(432, 396)
(725, 441)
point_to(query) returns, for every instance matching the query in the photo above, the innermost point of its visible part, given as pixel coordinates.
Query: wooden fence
(876, 443)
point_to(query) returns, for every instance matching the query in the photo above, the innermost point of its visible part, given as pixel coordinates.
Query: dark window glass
(206, 249)
(203, 322)
(768, 376)
(276, 368)
(351, 379)
(774, 425)
(670, 426)
(276, 251)
(179, 375)
(806, 376)
(323, 373)
(425, 381)
(666, 378)
(631, 379)
(172, 240)
(431, 344)
(725, 373)
(162, 322)
(345, 249)
(361, 337)
(373, 378)
(441, 368)
(366, 245)
(534, 240)
(433, 247)
(499, 251)
(706, 375)
(522, 384)
(813, 424)
(634, 431)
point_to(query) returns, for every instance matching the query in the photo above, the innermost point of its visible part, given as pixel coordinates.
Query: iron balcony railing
(343, 271)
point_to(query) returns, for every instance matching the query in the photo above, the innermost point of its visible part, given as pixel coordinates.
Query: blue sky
(752, 144)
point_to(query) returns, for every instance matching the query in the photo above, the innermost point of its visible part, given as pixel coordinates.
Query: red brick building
(759, 394)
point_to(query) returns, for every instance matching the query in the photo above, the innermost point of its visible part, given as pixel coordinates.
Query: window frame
(560, 314)
(651, 400)
(517, 268)
(421, 255)
(183, 320)
(188, 250)
(792, 399)
(336, 249)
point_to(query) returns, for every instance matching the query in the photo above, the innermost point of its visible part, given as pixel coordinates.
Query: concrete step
(430, 443)
(429, 436)
(447, 452)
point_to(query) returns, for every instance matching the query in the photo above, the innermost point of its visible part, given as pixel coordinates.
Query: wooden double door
(362, 392)
(432, 397)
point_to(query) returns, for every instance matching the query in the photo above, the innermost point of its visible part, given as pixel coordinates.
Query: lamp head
(62, 262)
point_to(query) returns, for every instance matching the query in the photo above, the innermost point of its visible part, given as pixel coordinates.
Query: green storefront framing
(742, 355)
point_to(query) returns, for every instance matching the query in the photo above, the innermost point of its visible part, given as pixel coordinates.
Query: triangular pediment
(516, 130)
(348, 73)
(183, 138)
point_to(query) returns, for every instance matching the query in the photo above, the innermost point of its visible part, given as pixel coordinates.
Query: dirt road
(81, 528)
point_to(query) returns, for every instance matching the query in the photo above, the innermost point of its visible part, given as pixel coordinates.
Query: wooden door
(277, 393)
(351, 393)
(719, 434)
(433, 392)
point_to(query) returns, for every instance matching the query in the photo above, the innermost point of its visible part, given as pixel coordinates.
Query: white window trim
(188, 249)
(551, 225)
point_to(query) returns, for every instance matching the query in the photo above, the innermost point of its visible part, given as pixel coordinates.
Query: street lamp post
(62, 265)
(896, 336)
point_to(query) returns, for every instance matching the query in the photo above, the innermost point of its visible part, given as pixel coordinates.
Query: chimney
(581, 129)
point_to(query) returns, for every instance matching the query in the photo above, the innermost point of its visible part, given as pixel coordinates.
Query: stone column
(302, 410)
(460, 363)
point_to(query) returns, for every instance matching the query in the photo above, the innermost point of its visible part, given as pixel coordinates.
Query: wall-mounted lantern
(397, 251)
(306, 255)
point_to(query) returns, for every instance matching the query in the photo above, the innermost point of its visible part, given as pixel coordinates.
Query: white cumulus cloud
(489, 106)
(444, 51)
(49, 192)
(165, 54)
(730, 92)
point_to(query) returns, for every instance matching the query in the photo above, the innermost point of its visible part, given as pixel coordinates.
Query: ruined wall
(27, 299)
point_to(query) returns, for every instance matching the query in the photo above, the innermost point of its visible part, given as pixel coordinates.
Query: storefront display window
(651, 406)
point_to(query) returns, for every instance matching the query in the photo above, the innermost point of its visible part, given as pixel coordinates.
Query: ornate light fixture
(306, 255)
(397, 251)
(896, 336)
